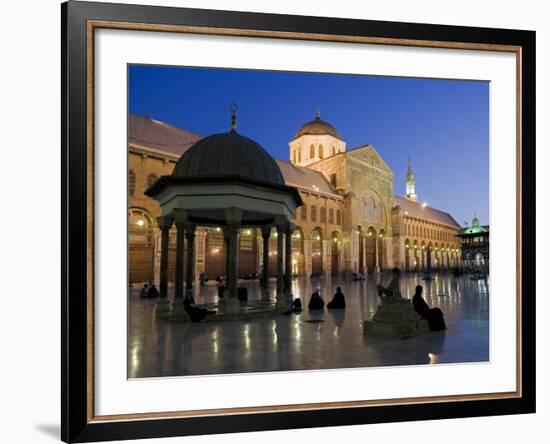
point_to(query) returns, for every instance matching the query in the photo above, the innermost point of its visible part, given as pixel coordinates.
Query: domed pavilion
(229, 181)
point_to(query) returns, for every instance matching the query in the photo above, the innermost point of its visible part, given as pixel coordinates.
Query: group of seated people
(148, 291)
(338, 301)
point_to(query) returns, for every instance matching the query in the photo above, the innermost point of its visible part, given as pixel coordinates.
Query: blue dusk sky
(441, 125)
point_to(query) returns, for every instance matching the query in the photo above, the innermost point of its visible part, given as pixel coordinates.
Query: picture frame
(80, 20)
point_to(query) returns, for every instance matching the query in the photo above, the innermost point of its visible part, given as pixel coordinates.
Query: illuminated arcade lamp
(140, 222)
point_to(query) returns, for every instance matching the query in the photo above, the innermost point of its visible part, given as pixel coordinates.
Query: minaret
(411, 194)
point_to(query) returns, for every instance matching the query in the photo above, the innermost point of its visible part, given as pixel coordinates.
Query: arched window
(323, 214)
(338, 217)
(370, 209)
(140, 228)
(304, 212)
(299, 154)
(151, 178)
(311, 151)
(362, 210)
(131, 182)
(294, 156)
(333, 179)
(313, 213)
(378, 212)
(321, 152)
(333, 150)
(330, 216)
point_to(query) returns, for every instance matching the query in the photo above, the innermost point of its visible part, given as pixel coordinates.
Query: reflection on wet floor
(282, 343)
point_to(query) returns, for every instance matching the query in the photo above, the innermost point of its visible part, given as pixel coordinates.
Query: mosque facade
(351, 220)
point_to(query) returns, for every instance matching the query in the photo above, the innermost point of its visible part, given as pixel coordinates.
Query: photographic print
(287, 221)
(276, 222)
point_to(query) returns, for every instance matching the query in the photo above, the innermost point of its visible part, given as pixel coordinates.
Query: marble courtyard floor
(311, 340)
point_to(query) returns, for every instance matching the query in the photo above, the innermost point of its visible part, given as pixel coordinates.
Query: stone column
(376, 259)
(178, 312)
(164, 223)
(190, 236)
(307, 258)
(178, 277)
(288, 257)
(280, 280)
(327, 255)
(233, 216)
(364, 243)
(200, 252)
(266, 232)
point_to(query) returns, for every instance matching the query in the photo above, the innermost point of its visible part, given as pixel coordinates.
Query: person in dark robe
(221, 291)
(296, 307)
(316, 302)
(242, 294)
(152, 293)
(196, 313)
(434, 316)
(338, 301)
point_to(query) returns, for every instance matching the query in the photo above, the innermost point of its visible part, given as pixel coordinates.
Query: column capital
(181, 217)
(165, 222)
(233, 215)
(190, 231)
(280, 222)
(266, 231)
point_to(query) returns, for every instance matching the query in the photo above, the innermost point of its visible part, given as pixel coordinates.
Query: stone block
(396, 320)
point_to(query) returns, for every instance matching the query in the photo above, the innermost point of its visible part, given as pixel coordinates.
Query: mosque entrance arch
(141, 245)
(214, 258)
(370, 249)
(298, 262)
(335, 253)
(317, 252)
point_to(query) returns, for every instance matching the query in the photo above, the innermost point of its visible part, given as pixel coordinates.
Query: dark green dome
(228, 155)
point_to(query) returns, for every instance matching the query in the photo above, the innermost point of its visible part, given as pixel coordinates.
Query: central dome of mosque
(317, 126)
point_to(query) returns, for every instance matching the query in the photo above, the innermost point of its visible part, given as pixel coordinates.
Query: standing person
(434, 316)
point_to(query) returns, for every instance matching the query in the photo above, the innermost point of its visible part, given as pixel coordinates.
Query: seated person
(316, 302)
(391, 293)
(152, 292)
(143, 292)
(296, 307)
(338, 301)
(434, 316)
(242, 294)
(195, 312)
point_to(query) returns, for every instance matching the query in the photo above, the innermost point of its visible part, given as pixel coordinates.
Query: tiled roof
(159, 135)
(415, 209)
(163, 137)
(302, 177)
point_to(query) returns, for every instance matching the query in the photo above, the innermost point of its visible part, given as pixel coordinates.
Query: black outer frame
(74, 423)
